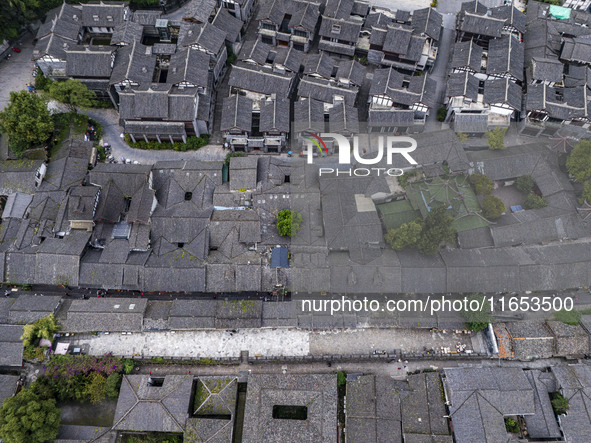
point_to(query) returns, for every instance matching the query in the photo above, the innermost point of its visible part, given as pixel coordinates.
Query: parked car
(15, 49)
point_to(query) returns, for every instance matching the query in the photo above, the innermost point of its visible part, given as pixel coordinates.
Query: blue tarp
(279, 258)
(516, 208)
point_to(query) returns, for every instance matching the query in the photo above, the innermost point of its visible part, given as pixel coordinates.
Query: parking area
(16, 71)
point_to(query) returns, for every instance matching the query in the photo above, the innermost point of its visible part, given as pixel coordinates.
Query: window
(180, 245)
(336, 29)
(287, 179)
(269, 26)
(188, 196)
(229, 5)
(95, 18)
(267, 40)
(290, 412)
(109, 18)
(300, 33)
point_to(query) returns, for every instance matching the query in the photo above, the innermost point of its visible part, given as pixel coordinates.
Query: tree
(482, 184)
(525, 183)
(578, 163)
(29, 418)
(534, 201)
(586, 195)
(72, 93)
(441, 114)
(479, 318)
(113, 385)
(493, 207)
(26, 121)
(43, 328)
(288, 222)
(496, 138)
(559, 404)
(96, 389)
(437, 229)
(512, 426)
(406, 235)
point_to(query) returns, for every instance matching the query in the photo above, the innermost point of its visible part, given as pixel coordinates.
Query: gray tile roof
(481, 397)
(199, 10)
(190, 66)
(127, 32)
(543, 423)
(105, 314)
(86, 61)
(503, 91)
(7, 386)
(319, 64)
(255, 50)
(471, 123)
(205, 35)
(573, 382)
(275, 115)
(352, 71)
(512, 16)
(260, 80)
(577, 50)
(12, 346)
(462, 84)
(343, 119)
(467, 55)
(338, 8)
(505, 56)
(243, 173)
(308, 115)
(546, 69)
(560, 103)
(104, 14)
(326, 91)
(304, 14)
(427, 21)
(142, 407)
(229, 24)
(339, 28)
(236, 113)
(134, 63)
(388, 81)
(289, 57)
(477, 24)
(317, 392)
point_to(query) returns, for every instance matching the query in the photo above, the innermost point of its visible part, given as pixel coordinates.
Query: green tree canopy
(96, 389)
(477, 319)
(559, 404)
(230, 155)
(586, 195)
(493, 207)
(534, 201)
(43, 328)
(578, 163)
(525, 183)
(26, 121)
(406, 235)
(29, 418)
(288, 222)
(72, 93)
(496, 138)
(482, 184)
(437, 229)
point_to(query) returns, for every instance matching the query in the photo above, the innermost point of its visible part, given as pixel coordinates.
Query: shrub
(478, 319)
(533, 201)
(441, 114)
(43, 328)
(288, 222)
(493, 207)
(559, 404)
(113, 385)
(482, 184)
(568, 317)
(496, 138)
(512, 426)
(525, 183)
(128, 366)
(234, 154)
(578, 163)
(96, 388)
(341, 378)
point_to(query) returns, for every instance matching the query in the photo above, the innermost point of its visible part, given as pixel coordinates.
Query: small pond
(88, 414)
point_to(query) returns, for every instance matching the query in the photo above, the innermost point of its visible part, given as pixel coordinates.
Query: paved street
(269, 342)
(17, 71)
(109, 118)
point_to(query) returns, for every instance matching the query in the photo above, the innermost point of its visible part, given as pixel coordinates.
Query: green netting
(559, 12)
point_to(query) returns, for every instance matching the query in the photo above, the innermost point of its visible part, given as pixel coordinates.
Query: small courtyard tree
(406, 235)
(437, 229)
(578, 162)
(26, 121)
(73, 93)
(482, 184)
(288, 222)
(493, 207)
(534, 201)
(496, 138)
(525, 183)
